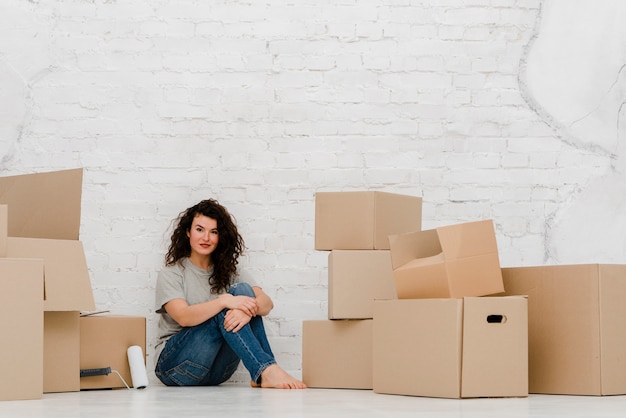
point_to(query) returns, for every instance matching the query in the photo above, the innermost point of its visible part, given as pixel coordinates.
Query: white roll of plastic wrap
(137, 367)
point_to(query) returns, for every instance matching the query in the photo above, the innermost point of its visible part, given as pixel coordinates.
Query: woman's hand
(246, 304)
(235, 319)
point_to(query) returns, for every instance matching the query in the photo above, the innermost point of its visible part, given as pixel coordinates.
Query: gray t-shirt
(182, 280)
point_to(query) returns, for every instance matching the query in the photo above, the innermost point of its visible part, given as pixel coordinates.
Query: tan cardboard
(21, 324)
(67, 284)
(61, 344)
(363, 220)
(3, 230)
(43, 205)
(337, 354)
(104, 341)
(355, 279)
(450, 261)
(448, 348)
(577, 338)
(43, 222)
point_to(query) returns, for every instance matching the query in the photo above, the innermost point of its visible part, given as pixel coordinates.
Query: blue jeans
(207, 354)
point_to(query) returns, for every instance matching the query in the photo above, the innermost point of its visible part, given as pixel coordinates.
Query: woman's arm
(190, 315)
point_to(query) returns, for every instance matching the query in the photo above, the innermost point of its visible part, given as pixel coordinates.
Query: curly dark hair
(229, 248)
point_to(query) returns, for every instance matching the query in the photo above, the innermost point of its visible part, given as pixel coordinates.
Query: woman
(210, 319)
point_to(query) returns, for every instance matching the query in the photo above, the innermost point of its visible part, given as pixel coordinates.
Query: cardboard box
(577, 337)
(43, 205)
(337, 354)
(451, 261)
(104, 341)
(451, 348)
(355, 279)
(21, 325)
(363, 220)
(43, 223)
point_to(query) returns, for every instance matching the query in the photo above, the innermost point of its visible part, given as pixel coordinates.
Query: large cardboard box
(337, 354)
(355, 279)
(21, 324)
(577, 337)
(3, 230)
(451, 348)
(451, 261)
(104, 341)
(363, 220)
(43, 223)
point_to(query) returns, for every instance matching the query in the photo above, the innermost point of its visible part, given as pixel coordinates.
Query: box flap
(407, 247)
(43, 205)
(66, 283)
(468, 239)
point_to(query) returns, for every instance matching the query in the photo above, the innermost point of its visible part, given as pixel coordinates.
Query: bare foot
(275, 377)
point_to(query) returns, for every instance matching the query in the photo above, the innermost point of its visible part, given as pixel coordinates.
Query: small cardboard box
(451, 261)
(577, 337)
(21, 324)
(337, 354)
(363, 220)
(104, 341)
(43, 223)
(355, 279)
(451, 348)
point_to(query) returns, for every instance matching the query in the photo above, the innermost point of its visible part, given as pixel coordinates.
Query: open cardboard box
(363, 220)
(43, 223)
(577, 337)
(451, 348)
(451, 261)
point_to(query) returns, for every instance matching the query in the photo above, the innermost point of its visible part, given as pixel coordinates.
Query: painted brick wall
(260, 105)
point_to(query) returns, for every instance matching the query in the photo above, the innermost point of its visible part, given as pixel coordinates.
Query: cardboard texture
(61, 344)
(337, 354)
(21, 324)
(577, 338)
(43, 205)
(451, 348)
(355, 279)
(3, 230)
(104, 341)
(43, 223)
(363, 220)
(451, 261)
(67, 283)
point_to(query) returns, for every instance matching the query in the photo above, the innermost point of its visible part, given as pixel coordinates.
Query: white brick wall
(260, 105)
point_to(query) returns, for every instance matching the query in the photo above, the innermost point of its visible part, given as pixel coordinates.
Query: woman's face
(203, 236)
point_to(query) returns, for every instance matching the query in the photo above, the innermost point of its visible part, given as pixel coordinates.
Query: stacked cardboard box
(44, 283)
(431, 332)
(353, 227)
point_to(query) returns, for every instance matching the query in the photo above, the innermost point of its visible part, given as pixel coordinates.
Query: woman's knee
(241, 289)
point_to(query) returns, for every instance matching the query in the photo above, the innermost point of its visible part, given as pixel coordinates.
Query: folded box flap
(66, 278)
(43, 205)
(413, 245)
(468, 239)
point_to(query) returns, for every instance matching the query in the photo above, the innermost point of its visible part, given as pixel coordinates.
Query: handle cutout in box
(496, 319)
